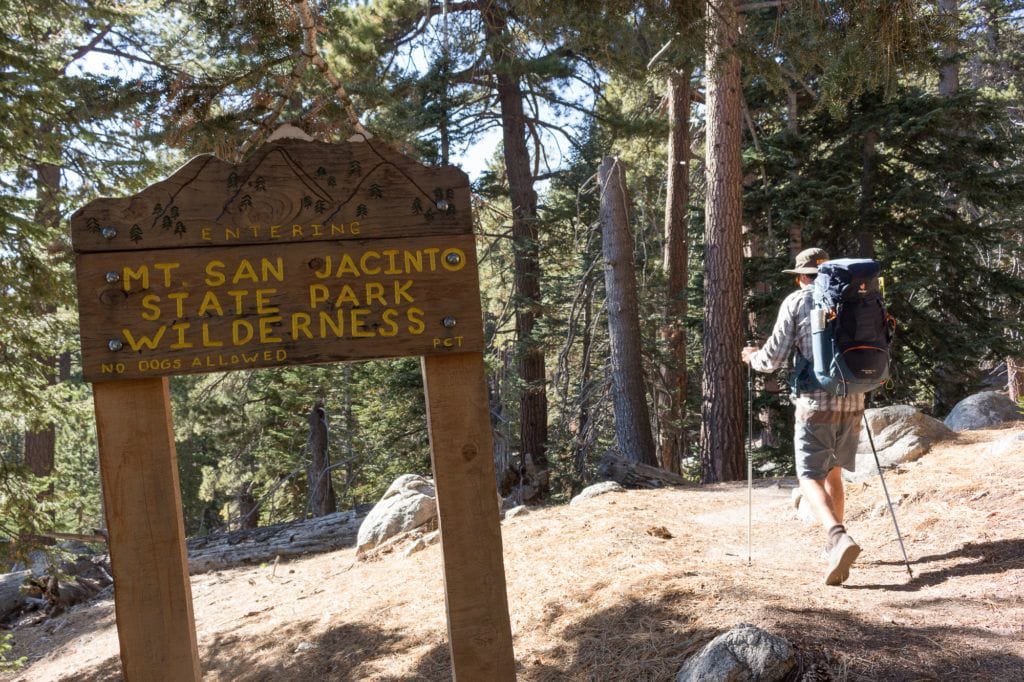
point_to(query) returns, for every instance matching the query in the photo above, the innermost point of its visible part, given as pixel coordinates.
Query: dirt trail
(596, 594)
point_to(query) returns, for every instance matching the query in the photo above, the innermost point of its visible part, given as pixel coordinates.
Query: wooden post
(467, 502)
(142, 499)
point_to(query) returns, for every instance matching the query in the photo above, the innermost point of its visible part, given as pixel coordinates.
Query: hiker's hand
(747, 352)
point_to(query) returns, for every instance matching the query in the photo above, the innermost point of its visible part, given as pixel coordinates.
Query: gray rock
(901, 434)
(597, 489)
(521, 510)
(983, 410)
(745, 652)
(408, 503)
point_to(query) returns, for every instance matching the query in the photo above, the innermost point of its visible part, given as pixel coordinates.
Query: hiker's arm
(779, 346)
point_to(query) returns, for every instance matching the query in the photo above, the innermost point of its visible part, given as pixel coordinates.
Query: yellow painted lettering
(375, 293)
(142, 275)
(263, 306)
(207, 341)
(389, 325)
(353, 227)
(205, 234)
(357, 323)
(179, 302)
(402, 291)
(214, 276)
(363, 263)
(241, 332)
(347, 295)
(317, 231)
(149, 302)
(150, 342)
(181, 328)
(431, 252)
(460, 260)
(300, 323)
(337, 325)
(297, 230)
(238, 295)
(167, 268)
(325, 271)
(413, 261)
(232, 233)
(318, 293)
(275, 231)
(415, 318)
(347, 266)
(273, 269)
(210, 302)
(267, 325)
(246, 271)
(392, 265)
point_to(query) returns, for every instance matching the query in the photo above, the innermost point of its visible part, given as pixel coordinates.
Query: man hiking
(827, 426)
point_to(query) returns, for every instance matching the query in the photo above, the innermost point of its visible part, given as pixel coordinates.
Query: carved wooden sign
(307, 252)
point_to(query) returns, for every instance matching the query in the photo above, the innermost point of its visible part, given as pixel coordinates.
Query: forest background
(748, 131)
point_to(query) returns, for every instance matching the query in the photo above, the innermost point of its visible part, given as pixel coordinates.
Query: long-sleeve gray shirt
(793, 331)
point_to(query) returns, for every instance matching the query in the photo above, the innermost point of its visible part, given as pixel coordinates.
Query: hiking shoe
(842, 555)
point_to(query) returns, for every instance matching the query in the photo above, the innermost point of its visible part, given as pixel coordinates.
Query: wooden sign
(287, 191)
(184, 311)
(305, 253)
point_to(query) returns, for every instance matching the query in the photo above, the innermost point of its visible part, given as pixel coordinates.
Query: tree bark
(533, 406)
(318, 472)
(868, 179)
(672, 393)
(1015, 378)
(323, 534)
(41, 444)
(949, 74)
(632, 420)
(722, 457)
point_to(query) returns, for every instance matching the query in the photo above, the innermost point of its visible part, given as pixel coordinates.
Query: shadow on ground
(981, 558)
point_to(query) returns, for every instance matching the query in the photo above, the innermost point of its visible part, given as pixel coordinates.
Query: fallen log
(255, 545)
(636, 475)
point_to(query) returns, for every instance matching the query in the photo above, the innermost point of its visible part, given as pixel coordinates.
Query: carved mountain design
(291, 190)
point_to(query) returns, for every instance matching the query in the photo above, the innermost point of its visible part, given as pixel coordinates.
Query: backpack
(850, 329)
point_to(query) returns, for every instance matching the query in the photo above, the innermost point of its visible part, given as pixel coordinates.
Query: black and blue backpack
(850, 329)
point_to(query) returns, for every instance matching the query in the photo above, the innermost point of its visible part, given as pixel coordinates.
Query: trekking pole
(750, 458)
(888, 500)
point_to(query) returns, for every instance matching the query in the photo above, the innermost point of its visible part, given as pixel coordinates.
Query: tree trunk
(672, 393)
(795, 231)
(949, 74)
(533, 406)
(318, 471)
(323, 534)
(40, 445)
(632, 421)
(722, 457)
(248, 509)
(1015, 378)
(868, 178)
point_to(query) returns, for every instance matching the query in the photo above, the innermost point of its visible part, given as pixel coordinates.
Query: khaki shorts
(820, 445)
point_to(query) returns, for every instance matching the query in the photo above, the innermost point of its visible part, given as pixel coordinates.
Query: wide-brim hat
(807, 262)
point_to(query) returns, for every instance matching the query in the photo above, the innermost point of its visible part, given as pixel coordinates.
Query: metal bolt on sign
(112, 277)
(448, 322)
(108, 232)
(115, 345)
(453, 258)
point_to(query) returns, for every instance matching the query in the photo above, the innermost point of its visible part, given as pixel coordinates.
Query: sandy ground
(596, 594)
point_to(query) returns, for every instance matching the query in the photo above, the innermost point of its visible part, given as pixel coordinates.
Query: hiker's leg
(814, 492)
(835, 493)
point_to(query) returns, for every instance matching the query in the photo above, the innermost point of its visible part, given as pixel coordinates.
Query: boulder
(408, 503)
(901, 434)
(597, 489)
(982, 411)
(745, 652)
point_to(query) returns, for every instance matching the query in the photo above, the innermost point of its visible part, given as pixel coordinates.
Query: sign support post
(467, 505)
(146, 534)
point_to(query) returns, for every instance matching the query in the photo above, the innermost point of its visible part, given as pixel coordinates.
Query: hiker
(827, 426)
